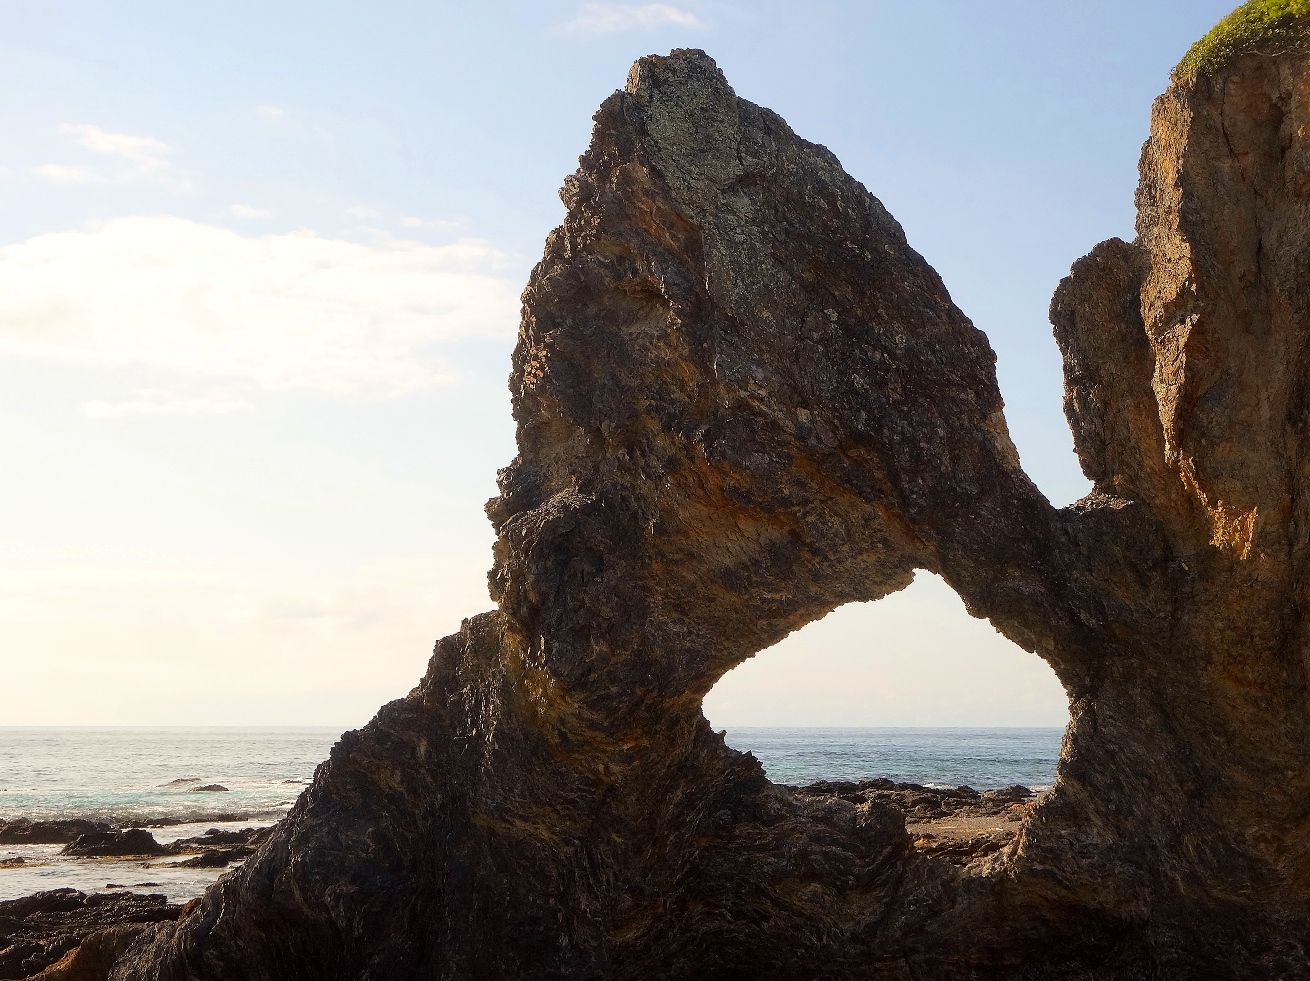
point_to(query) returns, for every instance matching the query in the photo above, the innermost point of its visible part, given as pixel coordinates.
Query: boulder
(21, 831)
(105, 844)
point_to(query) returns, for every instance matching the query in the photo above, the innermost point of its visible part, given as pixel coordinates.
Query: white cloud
(444, 224)
(269, 113)
(608, 18)
(146, 158)
(246, 211)
(154, 401)
(361, 212)
(282, 311)
(5, 173)
(149, 155)
(68, 174)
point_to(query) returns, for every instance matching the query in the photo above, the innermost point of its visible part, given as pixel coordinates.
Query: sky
(259, 277)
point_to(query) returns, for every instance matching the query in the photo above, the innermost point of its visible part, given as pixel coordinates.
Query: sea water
(148, 777)
(984, 759)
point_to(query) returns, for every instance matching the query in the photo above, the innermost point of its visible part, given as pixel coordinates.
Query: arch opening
(909, 687)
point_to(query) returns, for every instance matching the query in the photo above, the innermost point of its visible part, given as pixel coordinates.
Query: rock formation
(742, 401)
(21, 831)
(103, 844)
(37, 931)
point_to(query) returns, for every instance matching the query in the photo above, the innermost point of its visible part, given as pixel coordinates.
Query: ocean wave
(148, 818)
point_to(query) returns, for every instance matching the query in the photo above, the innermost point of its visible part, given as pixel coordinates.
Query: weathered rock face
(742, 401)
(1188, 371)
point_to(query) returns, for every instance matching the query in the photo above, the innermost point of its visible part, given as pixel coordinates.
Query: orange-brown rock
(742, 401)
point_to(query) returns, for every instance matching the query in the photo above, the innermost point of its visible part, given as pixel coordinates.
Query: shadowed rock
(21, 831)
(103, 844)
(38, 930)
(217, 837)
(742, 401)
(213, 858)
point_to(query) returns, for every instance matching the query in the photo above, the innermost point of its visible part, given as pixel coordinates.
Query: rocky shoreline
(42, 929)
(63, 831)
(100, 839)
(959, 824)
(43, 935)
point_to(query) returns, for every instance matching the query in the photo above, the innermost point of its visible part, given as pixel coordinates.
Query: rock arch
(743, 400)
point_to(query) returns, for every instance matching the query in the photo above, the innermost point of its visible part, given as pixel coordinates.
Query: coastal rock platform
(39, 931)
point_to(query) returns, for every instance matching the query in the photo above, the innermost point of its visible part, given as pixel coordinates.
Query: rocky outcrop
(105, 844)
(957, 824)
(235, 842)
(38, 931)
(742, 401)
(96, 955)
(21, 831)
(214, 849)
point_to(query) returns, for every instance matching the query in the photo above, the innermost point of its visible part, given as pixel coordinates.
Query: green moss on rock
(1258, 27)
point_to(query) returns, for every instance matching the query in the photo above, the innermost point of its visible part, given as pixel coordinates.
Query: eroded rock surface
(742, 401)
(37, 931)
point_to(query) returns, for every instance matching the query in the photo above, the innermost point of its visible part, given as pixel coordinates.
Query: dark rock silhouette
(22, 831)
(742, 401)
(213, 858)
(103, 844)
(217, 848)
(218, 837)
(37, 931)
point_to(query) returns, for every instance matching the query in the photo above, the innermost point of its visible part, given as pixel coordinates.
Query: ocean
(146, 777)
(149, 777)
(983, 759)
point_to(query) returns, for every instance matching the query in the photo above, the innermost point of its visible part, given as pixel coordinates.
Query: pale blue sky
(258, 278)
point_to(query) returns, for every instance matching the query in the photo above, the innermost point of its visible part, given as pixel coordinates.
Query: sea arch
(744, 401)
